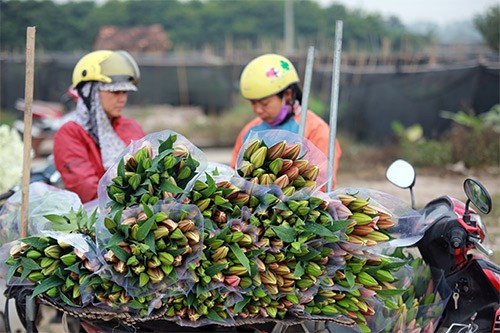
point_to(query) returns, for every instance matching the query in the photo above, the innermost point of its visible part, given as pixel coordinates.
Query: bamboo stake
(334, 102)
(307, 89)
(28, 101)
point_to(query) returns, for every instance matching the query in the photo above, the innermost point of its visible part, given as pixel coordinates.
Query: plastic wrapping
(148, 249)
(408, 223)
(162, 175)
(421, 305)
(55, 262)
(309, 155)
(43, 199)
(218, 169)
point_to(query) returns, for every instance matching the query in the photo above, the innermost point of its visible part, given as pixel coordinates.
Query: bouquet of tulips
(198, 248)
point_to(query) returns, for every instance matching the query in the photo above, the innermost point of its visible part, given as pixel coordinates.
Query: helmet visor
(118, 86)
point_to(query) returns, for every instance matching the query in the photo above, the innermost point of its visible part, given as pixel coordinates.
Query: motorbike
(47, 117)
(453, 231)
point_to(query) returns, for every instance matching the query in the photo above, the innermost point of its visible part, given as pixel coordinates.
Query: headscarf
(92, 117)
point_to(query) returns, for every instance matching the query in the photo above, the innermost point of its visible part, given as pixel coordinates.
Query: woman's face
(113, 102)
(269, 108)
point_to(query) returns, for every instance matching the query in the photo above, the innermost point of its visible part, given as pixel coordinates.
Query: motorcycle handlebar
(480, 246)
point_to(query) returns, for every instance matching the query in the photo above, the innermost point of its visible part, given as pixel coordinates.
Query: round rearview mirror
(478, 195)
(401, 173)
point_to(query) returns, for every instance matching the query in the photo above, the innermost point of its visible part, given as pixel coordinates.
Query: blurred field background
(424, 92)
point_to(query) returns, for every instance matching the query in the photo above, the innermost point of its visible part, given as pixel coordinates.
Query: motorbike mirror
(401, 173)
(478, 195)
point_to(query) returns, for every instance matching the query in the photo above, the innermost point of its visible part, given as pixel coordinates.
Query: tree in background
(68, 26)
(489, 26)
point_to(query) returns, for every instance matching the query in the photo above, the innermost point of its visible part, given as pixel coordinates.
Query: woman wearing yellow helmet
(270, 83)
(86, 147)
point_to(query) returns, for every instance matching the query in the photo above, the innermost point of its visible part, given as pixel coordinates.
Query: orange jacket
(317, 131)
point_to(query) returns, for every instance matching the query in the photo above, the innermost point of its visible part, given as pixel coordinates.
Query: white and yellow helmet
(267, 75)
(107, 67)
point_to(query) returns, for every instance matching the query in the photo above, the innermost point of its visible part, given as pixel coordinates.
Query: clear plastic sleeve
(43, 200)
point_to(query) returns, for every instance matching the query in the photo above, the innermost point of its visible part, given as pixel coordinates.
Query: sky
(441, 12)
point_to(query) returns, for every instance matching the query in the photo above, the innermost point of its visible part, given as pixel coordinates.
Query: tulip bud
(156, 275)
(291, 151)
(36, 276)
(33, 254)
(251, 148)
(237, 270)
(53, 251)
(246, 169)
(180, 151)
(276, 166)
(282, 181)
(69, 259)
(184, 173)
(232, 280)
(220, 253)
(186, 225)
(193, 237)
(161, 232)
(258, 157)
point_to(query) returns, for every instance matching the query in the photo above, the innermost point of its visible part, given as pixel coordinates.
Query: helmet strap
(284, 113)
(86, 99)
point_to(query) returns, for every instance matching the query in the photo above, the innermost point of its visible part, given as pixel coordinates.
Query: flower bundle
(146, 178)
(55, 266)
(278, 165)
(205, 250)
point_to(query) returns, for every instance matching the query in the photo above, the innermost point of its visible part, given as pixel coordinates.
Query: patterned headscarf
(96, 122)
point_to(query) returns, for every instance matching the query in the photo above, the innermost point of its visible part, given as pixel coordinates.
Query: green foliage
(479, 146)
(472, 139)
(488, 25)
(418, 150)
(73, 25)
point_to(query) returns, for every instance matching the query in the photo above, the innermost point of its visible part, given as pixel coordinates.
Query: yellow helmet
(267, 75)
(106, 66)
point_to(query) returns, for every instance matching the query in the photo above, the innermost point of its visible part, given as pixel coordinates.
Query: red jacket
(78, 158)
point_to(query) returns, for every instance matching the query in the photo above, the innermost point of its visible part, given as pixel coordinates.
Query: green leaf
(57, 220)
(121, 168)
(214, 269)
(241, 304)
(135, 304)
(168, 186)
(145, 228)
(120, 253)
(350, 278)
(74, 268)
(68, 301)
(159, 159)
(36, 242)
(211, 187)
(191, 298)
(147, 210)
(285, 233)
(319, 230)
(309, 255)
(28, 263)
(299, 270)
(12, 270)
(338, 225)
(212, 315)
(241, 256)
(150, 242)
(167, 144)
(115, 239)
(390, 292)
(51, 282)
